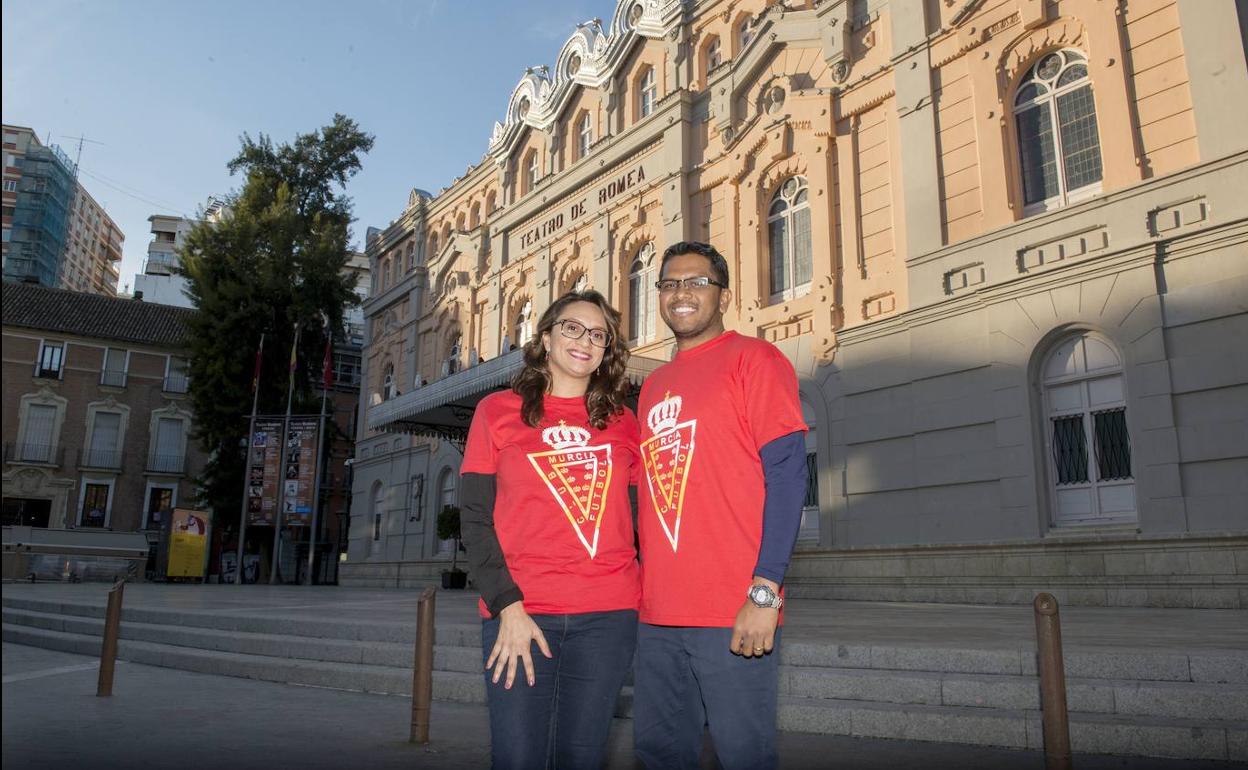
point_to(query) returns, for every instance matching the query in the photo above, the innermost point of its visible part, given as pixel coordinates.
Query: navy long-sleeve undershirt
(784, 476)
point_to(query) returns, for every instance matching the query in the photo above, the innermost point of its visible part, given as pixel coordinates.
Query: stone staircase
(1135, 703)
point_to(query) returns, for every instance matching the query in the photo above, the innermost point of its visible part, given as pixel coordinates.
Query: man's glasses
(697, 282)
(574, 330)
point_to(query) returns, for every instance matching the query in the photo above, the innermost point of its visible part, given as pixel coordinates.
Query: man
(724, 451)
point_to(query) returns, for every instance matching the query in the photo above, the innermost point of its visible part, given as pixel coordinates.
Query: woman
(549, 532)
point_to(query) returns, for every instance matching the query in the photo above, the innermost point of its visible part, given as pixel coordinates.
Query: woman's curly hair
(608, 385)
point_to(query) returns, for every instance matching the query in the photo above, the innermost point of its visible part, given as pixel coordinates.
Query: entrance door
(26, 512)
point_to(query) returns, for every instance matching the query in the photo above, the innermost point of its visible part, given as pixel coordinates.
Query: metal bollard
(1052, 684)
(108, 652)
(422, 669)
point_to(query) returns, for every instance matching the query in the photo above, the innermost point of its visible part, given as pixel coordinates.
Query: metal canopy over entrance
(444, 409)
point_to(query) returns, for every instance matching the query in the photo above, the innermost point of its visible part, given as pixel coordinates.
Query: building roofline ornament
(591, 57)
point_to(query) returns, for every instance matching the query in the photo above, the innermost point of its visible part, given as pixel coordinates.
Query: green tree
(274, 261)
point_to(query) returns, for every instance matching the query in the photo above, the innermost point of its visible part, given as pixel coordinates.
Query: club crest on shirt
(578, 476)
(667, 455)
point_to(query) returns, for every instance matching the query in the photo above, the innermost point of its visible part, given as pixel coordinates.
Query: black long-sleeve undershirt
(485, 554)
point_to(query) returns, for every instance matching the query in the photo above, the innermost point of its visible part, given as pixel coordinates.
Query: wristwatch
(764, 597)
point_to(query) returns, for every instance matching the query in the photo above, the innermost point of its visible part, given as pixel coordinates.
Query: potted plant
(448, 529)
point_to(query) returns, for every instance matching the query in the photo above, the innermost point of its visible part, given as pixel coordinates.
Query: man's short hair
(719, 265)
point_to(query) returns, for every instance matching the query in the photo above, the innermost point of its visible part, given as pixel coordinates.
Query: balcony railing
(114, 378)
(177, 382)
(166, 463)
(29, 452)
(107, 459)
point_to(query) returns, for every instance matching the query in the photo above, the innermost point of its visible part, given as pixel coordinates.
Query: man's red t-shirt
(561, 512)
(707, 414)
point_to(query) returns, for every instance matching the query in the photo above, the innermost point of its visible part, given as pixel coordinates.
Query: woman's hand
(516, 633)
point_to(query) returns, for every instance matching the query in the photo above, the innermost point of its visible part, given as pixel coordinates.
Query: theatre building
(1004, 244)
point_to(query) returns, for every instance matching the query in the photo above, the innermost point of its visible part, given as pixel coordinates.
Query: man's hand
(754, 632)
(516, 634)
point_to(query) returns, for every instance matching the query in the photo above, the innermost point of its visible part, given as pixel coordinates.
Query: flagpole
(322, 440)
(251, 431)
(281, 489)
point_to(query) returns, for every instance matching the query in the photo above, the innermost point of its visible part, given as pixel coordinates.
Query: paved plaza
(166, 717)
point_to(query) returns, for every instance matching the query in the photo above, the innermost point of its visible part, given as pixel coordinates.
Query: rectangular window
(10, 185)
(159, 506)
(1081, 147)
(1070, 450)
(167, 450)
(40, 421)
(95, 505)
(177, 380)
(1113, 445)
(812, 481)
(114, 371)
(803, 264)
(51, 357)
(1037, 154)
(779, 259)
(104, 451)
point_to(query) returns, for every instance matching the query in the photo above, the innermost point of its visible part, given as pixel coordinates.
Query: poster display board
(299, 493)
(188, 543)
(263, 468)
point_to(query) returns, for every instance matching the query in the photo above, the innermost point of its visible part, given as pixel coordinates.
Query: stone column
(916, 116)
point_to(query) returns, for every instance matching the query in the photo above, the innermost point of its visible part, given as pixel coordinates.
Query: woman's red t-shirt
(561, 511)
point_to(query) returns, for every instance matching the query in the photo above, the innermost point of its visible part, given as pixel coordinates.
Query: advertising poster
(264, 467)
(299, 493)
(188, 543)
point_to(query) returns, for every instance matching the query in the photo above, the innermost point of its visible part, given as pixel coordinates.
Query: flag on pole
(255, 377)
(294, 352)
(327, 367)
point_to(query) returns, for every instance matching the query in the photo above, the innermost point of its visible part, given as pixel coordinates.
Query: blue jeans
(686, 679)
(562, 721)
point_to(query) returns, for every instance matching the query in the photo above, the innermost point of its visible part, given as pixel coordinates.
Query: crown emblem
(663, 415)
(563, 437)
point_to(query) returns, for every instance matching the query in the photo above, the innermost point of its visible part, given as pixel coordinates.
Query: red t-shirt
(561, 511)
(707, 414)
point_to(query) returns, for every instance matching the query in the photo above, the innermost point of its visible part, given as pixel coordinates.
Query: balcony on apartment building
(176, 382)
(160, 262)
(164, 463)
(100, 459)
(34, 453)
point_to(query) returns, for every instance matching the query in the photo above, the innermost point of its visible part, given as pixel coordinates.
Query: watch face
(760, 594)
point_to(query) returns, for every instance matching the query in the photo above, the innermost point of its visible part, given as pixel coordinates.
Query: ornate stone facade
(1002, 243)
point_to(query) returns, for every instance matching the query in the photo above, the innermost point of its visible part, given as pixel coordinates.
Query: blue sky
(165, 89)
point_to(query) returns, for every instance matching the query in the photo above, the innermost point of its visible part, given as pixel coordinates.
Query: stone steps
(1148, 703)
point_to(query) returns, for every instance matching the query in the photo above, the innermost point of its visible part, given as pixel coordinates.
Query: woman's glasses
(574, 330)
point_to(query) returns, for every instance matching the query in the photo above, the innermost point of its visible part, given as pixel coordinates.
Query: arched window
(411, 252)
(530, 171)
(1059, 148)
(581, 284)
(396, 266)
(491, 202)
(788, 235)
(585, 136)
(524, 324)
(1086, 438)
(643, 298)
(745, 33)
(474, 221)
(433, 246)
(714, 56)
(647, 93)
(447, 496)
(387, 383)
(459, 221)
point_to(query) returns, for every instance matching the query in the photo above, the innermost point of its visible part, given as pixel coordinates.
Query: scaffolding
(40, 217)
